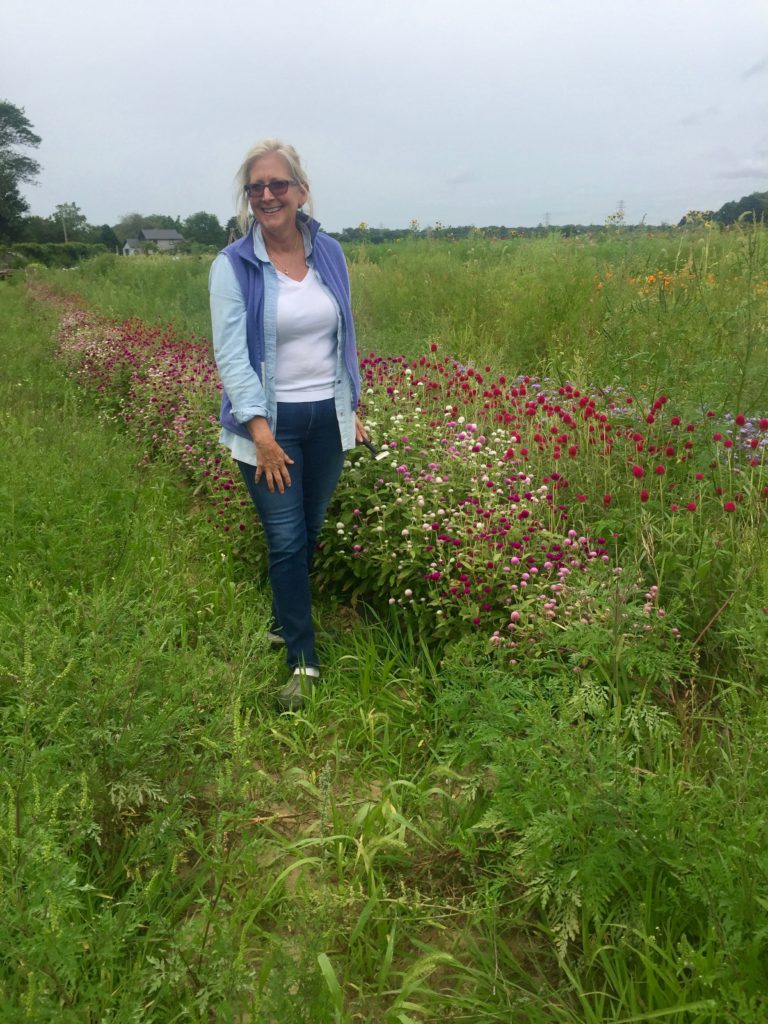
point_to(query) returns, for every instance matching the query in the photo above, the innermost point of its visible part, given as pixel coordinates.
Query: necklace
(283, 265)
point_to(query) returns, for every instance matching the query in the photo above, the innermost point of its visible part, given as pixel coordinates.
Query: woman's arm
(240, 380)
(230, 345)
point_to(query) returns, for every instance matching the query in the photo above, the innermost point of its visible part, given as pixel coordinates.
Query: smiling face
(275, 214)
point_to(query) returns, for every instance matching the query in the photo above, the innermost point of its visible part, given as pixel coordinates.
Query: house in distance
(153, 240)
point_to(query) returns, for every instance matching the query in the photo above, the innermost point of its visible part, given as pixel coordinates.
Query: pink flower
(730, 506)
(638, 472)
(643, 495)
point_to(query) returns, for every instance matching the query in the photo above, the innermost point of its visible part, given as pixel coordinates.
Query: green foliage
(205, 229)
(751, 207)
(71, 219)
(55, 254)
(609, 822)
(15, 168)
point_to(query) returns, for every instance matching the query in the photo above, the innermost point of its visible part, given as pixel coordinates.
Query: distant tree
(754, 206)
(15, 168)
(102, 234)
(39, 229)
(129, 226)
(71, 220)
(204, 228)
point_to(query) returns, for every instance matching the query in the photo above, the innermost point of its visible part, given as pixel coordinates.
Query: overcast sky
(459, 111)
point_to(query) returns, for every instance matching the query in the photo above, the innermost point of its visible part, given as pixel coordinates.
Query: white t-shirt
(295, 299)
(307, 324)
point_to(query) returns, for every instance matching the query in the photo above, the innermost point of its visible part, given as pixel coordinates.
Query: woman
(285, 348)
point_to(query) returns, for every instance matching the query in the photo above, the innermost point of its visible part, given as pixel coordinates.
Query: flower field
(512, 508)
(532, 785)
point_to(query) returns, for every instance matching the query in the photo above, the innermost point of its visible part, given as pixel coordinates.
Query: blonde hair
(263, 148)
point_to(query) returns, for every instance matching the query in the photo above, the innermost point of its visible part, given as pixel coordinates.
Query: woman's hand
(272, 461)
(361, 434)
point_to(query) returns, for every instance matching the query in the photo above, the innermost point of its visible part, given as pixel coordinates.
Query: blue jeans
(309, 433)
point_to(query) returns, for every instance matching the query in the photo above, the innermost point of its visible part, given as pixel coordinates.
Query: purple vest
(327, 258)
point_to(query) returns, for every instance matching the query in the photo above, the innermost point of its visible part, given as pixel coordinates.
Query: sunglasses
(277, 186)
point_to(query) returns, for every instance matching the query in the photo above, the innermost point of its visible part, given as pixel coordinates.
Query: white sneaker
(276, 639)
(291, 697)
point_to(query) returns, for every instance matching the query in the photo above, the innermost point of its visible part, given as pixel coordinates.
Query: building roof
(161, 235)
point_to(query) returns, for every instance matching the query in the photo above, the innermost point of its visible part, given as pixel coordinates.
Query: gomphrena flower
(492, 508)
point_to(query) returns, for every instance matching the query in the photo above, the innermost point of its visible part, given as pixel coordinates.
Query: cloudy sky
(479, 112)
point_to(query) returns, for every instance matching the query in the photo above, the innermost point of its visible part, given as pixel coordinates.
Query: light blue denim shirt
(253, 394)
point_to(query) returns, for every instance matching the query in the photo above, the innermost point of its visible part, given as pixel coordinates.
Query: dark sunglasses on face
(278, 187)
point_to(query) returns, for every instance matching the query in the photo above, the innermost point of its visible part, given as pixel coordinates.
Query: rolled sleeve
(230, 344)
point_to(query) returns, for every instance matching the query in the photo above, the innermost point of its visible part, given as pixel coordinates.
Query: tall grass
(572, 832)
(643, 309)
